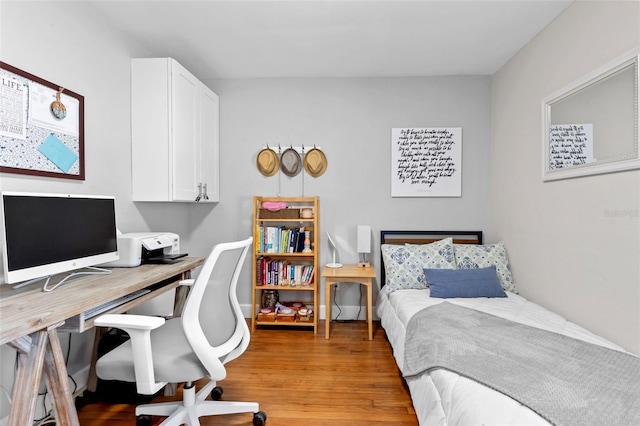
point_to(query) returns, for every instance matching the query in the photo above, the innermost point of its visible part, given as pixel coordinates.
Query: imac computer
(47, 234)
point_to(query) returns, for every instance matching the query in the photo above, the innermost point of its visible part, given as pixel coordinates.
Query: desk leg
(180, 299)
(369, 286)
(25, 389)
(92, 380)
(55, 374)
(327, 302)
(37, 353)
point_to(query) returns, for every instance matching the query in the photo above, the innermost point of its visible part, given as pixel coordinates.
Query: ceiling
(315, 39)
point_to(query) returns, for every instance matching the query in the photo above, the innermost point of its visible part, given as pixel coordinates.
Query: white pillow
(472, 256)
(404, 264)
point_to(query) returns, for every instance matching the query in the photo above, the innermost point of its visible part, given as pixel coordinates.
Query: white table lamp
(364, 244)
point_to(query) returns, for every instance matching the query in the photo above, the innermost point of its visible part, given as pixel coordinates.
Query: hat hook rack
(300, 149)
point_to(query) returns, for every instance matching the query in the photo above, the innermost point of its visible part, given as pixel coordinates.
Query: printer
(146, 247)
(149, 247)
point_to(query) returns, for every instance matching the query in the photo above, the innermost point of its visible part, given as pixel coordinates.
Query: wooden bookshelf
(282, 262)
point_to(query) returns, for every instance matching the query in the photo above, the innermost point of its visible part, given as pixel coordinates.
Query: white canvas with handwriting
(426, 162)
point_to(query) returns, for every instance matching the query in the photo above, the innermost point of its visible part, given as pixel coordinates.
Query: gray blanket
(564, 380)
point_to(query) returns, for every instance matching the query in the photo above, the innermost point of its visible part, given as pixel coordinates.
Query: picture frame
(426, 162)
(42, 130)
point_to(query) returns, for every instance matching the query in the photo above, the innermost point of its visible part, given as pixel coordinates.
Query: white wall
(351, 120)
(570, 250)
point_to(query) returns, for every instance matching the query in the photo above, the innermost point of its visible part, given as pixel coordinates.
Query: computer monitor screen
(46, 234)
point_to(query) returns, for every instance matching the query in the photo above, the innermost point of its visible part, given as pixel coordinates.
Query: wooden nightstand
(348, 274)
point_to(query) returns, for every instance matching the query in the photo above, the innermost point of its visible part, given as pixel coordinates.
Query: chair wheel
(259, 418)
(216, 393)
(143, 420)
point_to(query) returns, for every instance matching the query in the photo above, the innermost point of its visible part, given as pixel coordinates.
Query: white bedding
(445, 398)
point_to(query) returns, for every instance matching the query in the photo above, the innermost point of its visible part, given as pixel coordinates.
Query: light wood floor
(302, 379)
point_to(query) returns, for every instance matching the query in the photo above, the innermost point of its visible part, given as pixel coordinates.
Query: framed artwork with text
(426, 162)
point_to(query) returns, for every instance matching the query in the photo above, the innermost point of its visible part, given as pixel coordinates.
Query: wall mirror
(591, 126)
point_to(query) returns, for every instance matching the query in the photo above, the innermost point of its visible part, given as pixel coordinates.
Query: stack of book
(282, 272)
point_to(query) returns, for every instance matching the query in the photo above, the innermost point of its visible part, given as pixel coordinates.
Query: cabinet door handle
(199, 193)
(205, 196)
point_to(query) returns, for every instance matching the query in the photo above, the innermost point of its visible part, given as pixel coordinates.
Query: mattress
(444, 398)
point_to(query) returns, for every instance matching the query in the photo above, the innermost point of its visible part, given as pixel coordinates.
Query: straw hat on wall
(315, 162)
(268, 162)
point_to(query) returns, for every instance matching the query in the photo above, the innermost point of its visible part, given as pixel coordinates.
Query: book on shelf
(259, 270)
(280, 239)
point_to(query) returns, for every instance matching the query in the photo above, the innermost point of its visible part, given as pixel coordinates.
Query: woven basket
(304, 318)
(280, 214)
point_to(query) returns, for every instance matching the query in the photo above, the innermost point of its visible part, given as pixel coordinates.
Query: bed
(432, 335)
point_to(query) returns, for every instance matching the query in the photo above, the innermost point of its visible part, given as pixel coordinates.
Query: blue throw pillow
(449, 283)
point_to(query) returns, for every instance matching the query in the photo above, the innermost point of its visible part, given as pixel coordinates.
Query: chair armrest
(188, 282)
(126, 321)
(139, 329)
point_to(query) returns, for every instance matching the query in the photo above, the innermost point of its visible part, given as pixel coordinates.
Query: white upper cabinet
(174, 134)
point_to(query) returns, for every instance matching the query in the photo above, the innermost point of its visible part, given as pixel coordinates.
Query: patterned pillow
(404, 264)
(470, 256)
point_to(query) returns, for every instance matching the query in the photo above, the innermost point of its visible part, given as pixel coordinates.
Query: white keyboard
(97, 310)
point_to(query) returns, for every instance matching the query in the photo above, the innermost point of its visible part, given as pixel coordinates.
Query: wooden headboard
(424, 237)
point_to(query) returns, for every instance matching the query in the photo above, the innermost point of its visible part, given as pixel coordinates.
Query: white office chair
(211, 332)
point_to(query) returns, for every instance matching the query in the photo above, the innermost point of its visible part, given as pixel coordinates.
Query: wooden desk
(348, 274)
(29, 318)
